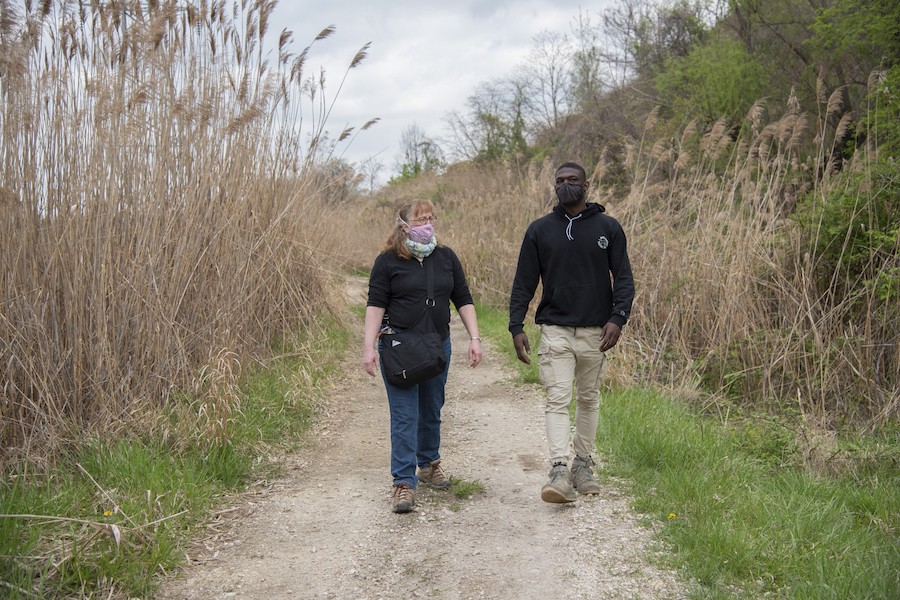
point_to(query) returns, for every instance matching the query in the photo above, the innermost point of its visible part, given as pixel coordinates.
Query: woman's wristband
(475, 338)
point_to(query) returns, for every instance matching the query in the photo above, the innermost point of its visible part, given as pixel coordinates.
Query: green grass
(137, 483)
(493, 325)
(463, 488)
(282, 396)
(156, 488)
(741, 527)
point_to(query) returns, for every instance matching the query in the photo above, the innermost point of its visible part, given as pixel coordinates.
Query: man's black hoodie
(573, 257)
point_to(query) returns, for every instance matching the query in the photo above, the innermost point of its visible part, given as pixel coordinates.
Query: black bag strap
(429, 298)
(429, 274)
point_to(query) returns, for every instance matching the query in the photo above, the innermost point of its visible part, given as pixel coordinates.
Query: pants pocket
(545, 366)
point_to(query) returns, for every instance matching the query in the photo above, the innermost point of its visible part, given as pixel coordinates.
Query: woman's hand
(470, 320)
(474, 352)
(374, 316)
(370, 360)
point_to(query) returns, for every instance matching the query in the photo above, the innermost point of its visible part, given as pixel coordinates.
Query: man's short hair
(571, 165)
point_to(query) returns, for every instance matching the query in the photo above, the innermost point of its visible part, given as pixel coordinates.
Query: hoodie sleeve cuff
(619, 320)
(516, 329)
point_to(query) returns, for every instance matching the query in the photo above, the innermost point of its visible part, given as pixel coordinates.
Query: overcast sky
(425, 59)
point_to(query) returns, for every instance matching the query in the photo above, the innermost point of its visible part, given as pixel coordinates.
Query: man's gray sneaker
(559, 489)
(582, 477)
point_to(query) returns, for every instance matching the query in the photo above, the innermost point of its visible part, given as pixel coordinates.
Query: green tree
(719, 78)
(670, 31)
(774, 33)
(853, 37)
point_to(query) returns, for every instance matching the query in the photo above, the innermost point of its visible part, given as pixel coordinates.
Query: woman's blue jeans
(416, 423)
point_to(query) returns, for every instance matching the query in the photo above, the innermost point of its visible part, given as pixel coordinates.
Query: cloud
(425, 58)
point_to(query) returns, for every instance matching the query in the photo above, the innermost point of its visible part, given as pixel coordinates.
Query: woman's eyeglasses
(425, 220)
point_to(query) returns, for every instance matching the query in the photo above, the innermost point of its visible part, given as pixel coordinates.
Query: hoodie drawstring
(569, 227)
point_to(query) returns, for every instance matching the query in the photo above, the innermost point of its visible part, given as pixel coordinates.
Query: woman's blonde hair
(396, 242)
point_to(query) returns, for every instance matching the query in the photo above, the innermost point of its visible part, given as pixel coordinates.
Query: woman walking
(397, 297)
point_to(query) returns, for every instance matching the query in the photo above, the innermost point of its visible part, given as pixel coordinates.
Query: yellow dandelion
(672, 515)
(107, 513)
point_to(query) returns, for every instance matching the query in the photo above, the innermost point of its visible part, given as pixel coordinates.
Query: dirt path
(326, 529)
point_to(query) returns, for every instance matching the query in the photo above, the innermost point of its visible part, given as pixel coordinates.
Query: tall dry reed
(733, 301)
(161, 208)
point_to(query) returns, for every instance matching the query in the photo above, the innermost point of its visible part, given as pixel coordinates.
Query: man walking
(572, 251)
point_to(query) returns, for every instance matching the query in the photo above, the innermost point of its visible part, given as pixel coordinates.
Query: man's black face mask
(570, 193)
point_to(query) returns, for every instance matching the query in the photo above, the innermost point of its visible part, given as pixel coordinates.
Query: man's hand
(523, 349)
(609, 336)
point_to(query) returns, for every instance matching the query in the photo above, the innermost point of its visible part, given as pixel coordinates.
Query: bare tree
(494, 123)
(587, 63)
(338, 181)
(419, 153)
(545, 78)
(644, 34)
(370, 168)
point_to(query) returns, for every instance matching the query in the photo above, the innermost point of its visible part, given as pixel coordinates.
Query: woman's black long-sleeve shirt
(399, 286)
